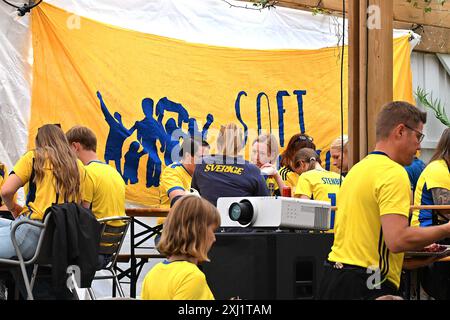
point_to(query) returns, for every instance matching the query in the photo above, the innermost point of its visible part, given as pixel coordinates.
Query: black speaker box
(267, 265)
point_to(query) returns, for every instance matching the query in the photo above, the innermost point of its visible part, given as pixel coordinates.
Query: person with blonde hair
(50, 174)
(228, 174)
(186, 239)
(340, 159)
(265, 155)
(315, 183)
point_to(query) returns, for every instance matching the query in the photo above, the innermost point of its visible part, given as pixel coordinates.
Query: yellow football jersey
(40, 195)
(105, 190)
(177, 280)
(173, 177)
(435, 175)
(289, 177)
(320, 185)
(374, 187)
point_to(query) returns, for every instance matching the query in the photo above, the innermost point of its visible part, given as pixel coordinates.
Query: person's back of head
(305, 160)
(399, 131)
(84, 136)
(189, 148)
(52, 146)
(230, 140)
(396, 113)
(296, 143)
(443, 148)
(186, 228)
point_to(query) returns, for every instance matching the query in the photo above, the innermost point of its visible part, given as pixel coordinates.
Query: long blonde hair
(186, 228)
(230, 140)
(52, 146)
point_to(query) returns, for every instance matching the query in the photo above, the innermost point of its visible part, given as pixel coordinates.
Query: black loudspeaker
(267, 265)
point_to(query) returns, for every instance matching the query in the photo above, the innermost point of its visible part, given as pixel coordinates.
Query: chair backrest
(44, 246)
(112, 237)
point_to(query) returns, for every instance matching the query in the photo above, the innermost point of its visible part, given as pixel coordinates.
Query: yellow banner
(149, 86)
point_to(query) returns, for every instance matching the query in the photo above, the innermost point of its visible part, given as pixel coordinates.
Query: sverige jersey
(374, 187)
(40, 195)
(220, 176)
(173, 177)
(105, 190)
(177, 280)
(290, 178)
(435, 175)
(320, 185)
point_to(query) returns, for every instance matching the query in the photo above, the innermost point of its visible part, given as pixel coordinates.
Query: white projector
(274, 212)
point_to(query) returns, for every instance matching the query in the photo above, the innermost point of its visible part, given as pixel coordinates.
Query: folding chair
(111, 242)
(20, 262)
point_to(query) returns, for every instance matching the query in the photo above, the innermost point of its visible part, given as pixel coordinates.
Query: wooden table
(149, 232)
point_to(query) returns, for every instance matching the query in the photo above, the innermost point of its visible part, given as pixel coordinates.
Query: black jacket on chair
(72, 239)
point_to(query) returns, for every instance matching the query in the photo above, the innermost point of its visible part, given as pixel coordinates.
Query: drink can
(286, 192)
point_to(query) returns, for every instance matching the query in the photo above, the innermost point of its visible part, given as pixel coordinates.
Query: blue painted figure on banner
(173, 135)
(148, 132)
(130, 168)
(164, 104)
(116, 136)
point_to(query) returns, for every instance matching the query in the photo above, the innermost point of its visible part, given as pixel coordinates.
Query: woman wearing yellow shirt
(315, 182)
(187, 237)
(50, 174)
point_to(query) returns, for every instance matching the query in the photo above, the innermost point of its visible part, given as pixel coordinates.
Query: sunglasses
(305, 138)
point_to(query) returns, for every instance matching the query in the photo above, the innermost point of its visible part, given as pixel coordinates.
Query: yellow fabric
(435, 175)
(318, 184)
(272, 185)
(290, 178)
(374, 187)
(40, 195)
(127, 66)
(174, 177)
(179, 280)
(105, 190)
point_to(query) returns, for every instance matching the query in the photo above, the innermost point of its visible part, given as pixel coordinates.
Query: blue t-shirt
(414, 171)
(219, 176)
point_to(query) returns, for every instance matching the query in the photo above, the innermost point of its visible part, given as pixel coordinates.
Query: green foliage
(426, 4)
(262, 4)
(433, 104)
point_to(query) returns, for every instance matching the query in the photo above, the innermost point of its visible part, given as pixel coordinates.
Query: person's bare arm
(9, 189)
(441, 196)
(400, 237)
(177, 193)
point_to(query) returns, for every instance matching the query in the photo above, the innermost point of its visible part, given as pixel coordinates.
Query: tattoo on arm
(441, 196)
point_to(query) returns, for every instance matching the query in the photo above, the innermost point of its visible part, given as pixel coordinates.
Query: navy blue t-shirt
(220, 176)
(414, 171)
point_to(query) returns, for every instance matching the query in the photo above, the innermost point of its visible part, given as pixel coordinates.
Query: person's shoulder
(438, 165)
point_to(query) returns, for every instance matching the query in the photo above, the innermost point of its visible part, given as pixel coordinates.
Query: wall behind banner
(140, 75)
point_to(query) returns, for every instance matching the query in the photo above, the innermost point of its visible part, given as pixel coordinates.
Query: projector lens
(241, 212)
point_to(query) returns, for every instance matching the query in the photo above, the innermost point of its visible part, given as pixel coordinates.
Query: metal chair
(111, 242)
(20, 262)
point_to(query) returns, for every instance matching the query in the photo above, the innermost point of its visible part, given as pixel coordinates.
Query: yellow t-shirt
(435, 175)
(105, 190)
(289, 177)
(40, 195)
(178, 280)
(272, 185)
(320, 185)
(374, 187)
(173, 177)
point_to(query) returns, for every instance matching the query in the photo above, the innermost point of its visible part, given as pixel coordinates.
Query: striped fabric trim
(383, 252)
(284, 172)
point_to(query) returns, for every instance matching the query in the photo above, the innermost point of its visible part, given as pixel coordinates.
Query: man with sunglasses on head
(371, 227)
